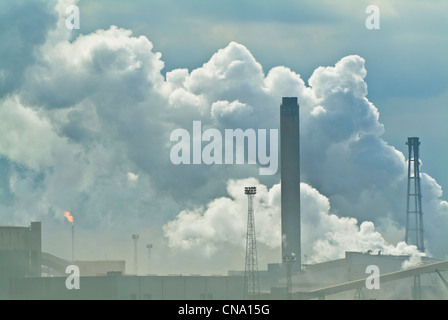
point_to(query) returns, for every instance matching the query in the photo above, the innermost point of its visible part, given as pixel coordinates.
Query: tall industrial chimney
(290, 181)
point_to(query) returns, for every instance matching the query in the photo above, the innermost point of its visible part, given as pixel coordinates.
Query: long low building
(346, 279)
(20, 251)
(28, 273)
(124, 287)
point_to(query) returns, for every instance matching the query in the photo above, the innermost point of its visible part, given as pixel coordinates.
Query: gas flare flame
(68, 216)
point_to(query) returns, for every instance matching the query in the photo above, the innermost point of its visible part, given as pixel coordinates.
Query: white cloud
(232, 113)
(346, 76)
(207, 232)
(28, 138)
(132, 177)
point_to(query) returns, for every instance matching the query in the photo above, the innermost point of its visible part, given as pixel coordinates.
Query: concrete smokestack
(290, 181)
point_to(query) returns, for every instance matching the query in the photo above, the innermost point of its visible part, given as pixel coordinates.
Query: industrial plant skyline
(86, 117)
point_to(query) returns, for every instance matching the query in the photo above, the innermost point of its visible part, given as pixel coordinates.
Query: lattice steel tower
(251, 279)
(414, 214)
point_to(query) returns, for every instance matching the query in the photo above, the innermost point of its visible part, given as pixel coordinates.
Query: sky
(86, 117)
(405, 58)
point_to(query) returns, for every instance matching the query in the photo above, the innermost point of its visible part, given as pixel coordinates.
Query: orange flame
(68, 216)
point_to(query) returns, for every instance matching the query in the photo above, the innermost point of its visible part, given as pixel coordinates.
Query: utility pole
(135, 238)
(149, 247)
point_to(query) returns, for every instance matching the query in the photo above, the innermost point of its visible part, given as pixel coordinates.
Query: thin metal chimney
(149, 247)
(135, 238)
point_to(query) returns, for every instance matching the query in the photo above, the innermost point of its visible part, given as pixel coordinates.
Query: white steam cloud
(325, 236)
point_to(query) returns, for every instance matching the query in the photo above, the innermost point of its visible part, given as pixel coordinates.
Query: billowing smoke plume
(85, 126)
(325, 236)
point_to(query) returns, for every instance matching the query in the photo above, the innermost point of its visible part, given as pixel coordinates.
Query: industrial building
(346, 278)
(22, 259)
(116, 286)
(105, 279)
(20, 251)
(28, 273)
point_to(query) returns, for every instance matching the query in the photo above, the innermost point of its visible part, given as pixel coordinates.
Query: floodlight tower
(251, 279)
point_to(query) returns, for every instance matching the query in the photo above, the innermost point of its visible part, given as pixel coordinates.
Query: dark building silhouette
(290, 181)
(20, 251)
